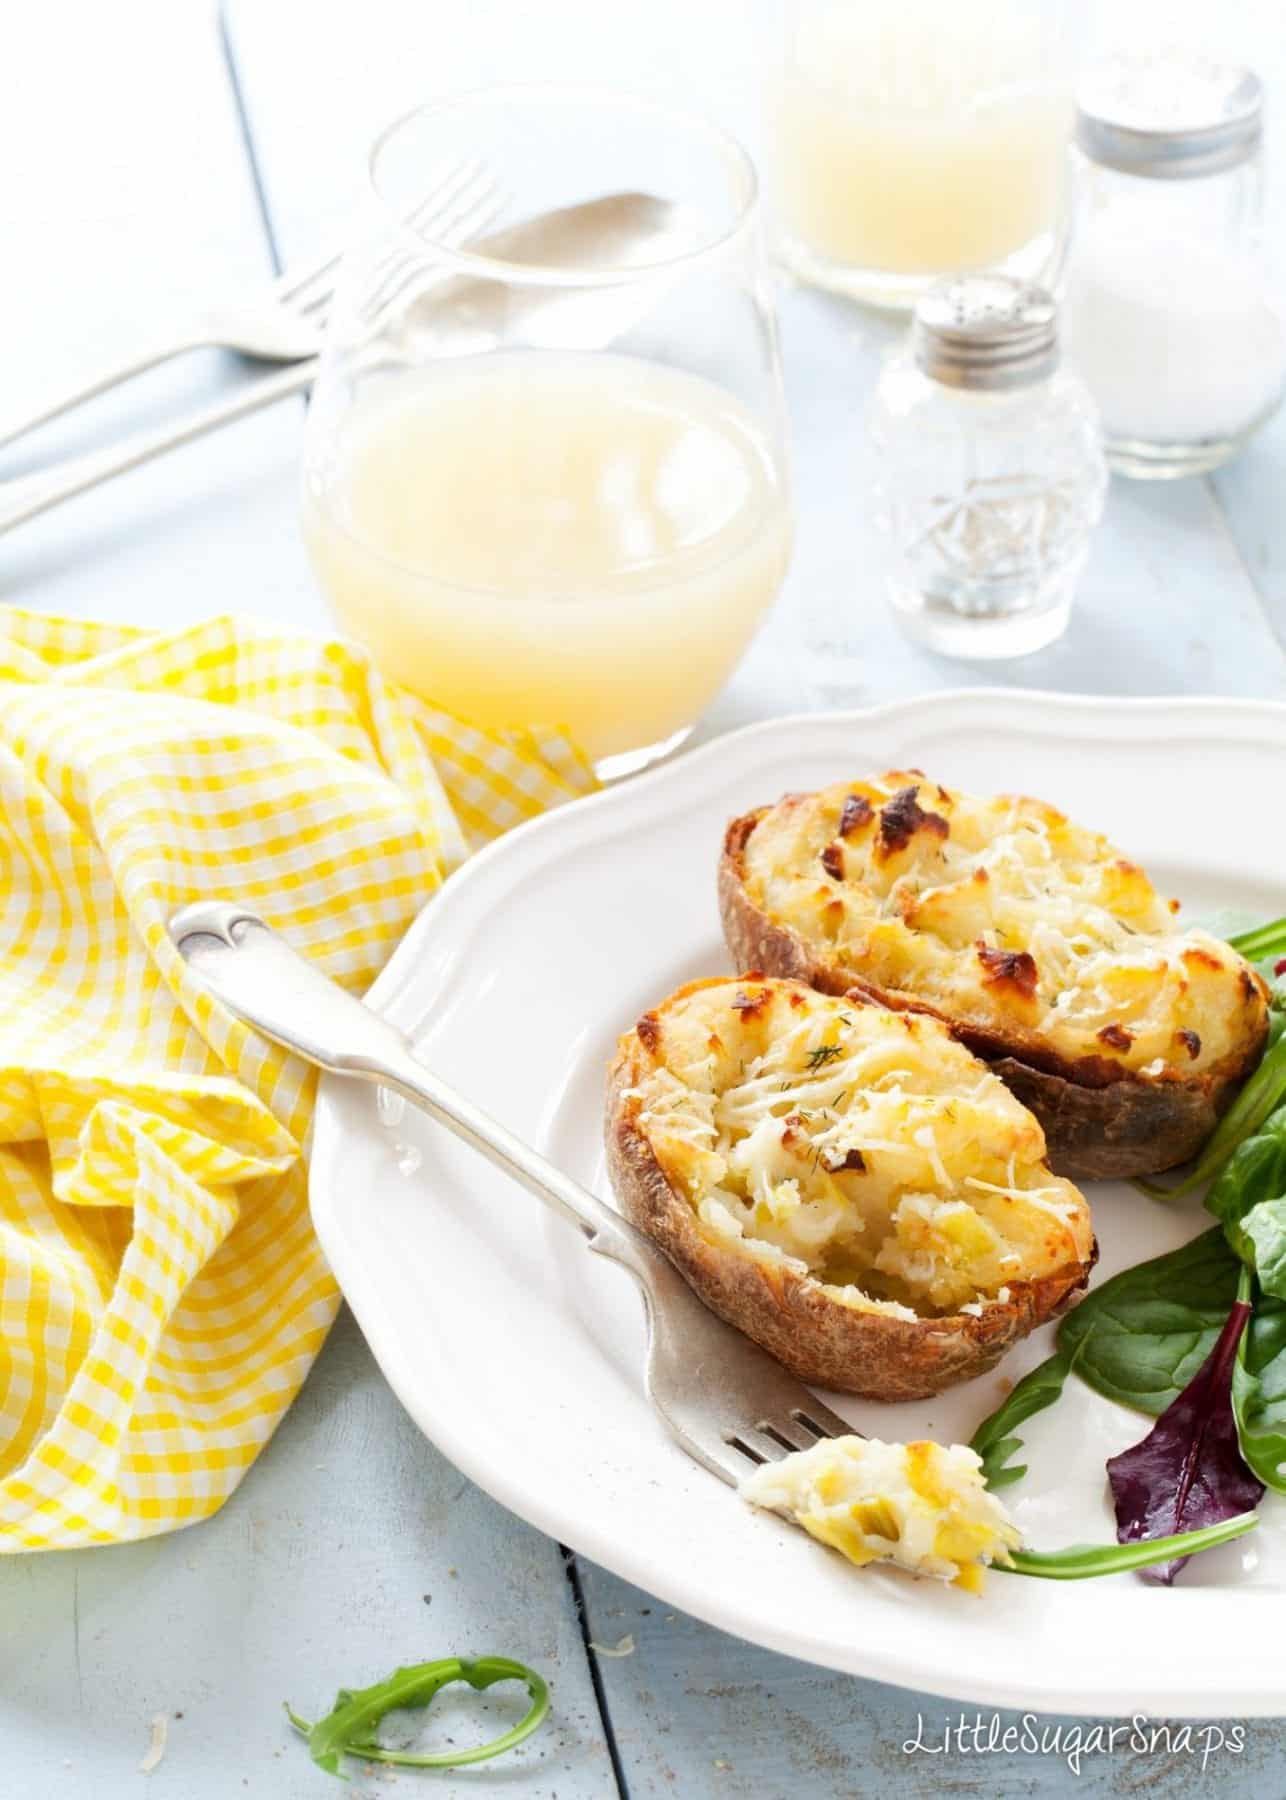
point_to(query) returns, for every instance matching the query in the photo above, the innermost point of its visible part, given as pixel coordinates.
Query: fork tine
(393, 271)
(821, 1420)
(409, 269)
(292, 283)
(292, 287)
(728, 1461)
(769, 1440)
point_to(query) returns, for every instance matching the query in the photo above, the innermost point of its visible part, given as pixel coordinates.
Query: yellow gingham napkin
(161, 1292)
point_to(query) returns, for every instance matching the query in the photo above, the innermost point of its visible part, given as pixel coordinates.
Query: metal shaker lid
(986, 331)
(1170, 116)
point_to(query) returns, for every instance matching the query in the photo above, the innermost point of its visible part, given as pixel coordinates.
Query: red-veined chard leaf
(1188, 1471)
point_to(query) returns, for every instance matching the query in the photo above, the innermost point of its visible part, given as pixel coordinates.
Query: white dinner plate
(519, 1354)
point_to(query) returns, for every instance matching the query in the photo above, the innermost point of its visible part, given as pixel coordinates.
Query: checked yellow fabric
(161, 1292)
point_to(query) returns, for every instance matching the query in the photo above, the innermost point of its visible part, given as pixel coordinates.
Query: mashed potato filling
(923, 1506)
(1002, 912)
(863, 1147)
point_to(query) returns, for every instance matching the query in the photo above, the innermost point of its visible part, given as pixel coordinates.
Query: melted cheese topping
(953, 899)
(865, 1148)
(923, 1506)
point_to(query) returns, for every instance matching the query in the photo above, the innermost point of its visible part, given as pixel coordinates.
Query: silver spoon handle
(26, 495)
(159, 350)
(258, 977)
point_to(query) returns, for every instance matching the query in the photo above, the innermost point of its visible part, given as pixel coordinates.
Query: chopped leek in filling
(863, 1147)
(923, 1506)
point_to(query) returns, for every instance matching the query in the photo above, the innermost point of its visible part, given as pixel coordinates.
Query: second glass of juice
(545, 477)
(915, 139)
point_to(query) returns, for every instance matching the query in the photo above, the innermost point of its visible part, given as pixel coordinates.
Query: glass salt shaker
(1170, 312)
(988, 470)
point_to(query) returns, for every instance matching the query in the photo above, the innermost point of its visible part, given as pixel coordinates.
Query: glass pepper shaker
(989, 474)
(1170, 312)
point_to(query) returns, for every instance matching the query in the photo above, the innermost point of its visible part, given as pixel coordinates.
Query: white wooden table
(155, 149)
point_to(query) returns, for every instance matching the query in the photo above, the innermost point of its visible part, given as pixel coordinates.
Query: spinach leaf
(995, 1440)
(1146, 1332)
(1188, 1472)
(1259, 1392)
(1264, 1232)
(1252, 1184)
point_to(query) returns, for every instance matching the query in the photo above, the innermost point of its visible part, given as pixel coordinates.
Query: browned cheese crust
(1101, 1121)
(820, 1339)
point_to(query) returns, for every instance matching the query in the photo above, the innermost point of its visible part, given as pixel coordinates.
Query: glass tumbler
(916, 139)
(545, 474)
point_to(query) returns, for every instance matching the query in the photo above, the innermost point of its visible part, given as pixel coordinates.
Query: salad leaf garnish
(1151, 1327)
(1259, 1392)
(349, 1727)
(1188, 1471)
(1249, 1197)
(1264, 1233)
(995, 1440)
(1260, 942)
(1079, 1561)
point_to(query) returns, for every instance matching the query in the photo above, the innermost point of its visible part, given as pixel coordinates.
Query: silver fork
(729, 1404)
(285, 321)
(24, 497)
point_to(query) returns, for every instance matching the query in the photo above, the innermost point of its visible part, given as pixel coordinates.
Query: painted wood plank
(350, 1548)
(700, 1714)
(315, 1574)
(132, 202)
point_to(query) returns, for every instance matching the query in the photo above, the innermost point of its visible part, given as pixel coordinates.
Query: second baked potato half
(847, 1185)
(1042, 947)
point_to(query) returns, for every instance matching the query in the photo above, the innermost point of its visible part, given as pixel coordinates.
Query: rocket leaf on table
(1188, 1471)
(348, 1729)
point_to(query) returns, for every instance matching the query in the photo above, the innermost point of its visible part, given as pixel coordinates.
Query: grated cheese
(1012, 875)
(156, 1748)
(915, 1194)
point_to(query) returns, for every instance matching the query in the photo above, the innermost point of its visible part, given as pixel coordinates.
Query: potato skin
(1101, 1122)
(790, 1315)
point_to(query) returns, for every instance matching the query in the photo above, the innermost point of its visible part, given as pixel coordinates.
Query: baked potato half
(1042, 948)
(847, 1185)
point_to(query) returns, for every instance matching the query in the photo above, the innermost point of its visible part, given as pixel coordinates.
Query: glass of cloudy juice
(545, 475)
(920, 138)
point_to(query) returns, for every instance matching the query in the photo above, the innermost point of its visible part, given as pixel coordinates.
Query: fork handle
(162, 350)
(26, 495)
(258, 977)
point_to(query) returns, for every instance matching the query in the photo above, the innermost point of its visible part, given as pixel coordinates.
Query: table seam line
(246, 130)
(1221, 512)
(572, 1570)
